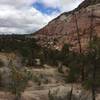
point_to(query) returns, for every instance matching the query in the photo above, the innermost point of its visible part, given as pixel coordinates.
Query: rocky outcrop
(63, 29)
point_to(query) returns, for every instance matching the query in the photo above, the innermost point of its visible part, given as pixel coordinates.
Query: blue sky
(28, 16)
(55, 6)
(44, 9)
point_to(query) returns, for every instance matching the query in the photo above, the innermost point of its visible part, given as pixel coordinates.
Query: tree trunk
(91, 26)
(93, 83)
(93, 93)
(18, 96)
(94, 62)
(71, 93)
(78, 34)
(82, 73)
(80, 47)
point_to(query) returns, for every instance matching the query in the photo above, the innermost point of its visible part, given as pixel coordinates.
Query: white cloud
(67, 5)
(51, 3)
(63, 5)
(17, 3)
(25, 19)
(18, 16)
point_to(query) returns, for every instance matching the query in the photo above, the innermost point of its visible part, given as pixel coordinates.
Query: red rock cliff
(63, 29)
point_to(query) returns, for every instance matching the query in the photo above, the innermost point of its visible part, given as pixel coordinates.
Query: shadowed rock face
(63, 29)
(87, 3)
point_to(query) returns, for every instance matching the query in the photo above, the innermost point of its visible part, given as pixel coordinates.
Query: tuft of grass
(87, 84)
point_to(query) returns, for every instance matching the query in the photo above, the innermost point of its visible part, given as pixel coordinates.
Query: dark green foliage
(39, 79)
(0, 79)
(65, 49)
(36, 79)
(72, 60)
(52, 56)
(74, 73)
(49, 56)
(21, 44)
(87, 84)
(92, 64)
(60, 70)
(19, 80)
(1, 64)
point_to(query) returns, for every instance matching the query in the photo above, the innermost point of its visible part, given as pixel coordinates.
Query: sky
(28, 16)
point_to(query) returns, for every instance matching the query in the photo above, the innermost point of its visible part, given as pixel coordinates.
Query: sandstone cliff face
(63, 29)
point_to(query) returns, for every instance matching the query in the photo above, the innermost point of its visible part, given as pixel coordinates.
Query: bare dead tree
(79, 43)
(92, 33)
(78, 33)
(91, 25)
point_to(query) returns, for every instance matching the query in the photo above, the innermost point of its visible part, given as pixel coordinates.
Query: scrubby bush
(87, 84)
(19, 80)
(36, 79)
(39, 79)
(60, 70)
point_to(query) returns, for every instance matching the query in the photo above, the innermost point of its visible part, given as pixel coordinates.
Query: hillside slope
(63, 28)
